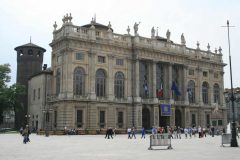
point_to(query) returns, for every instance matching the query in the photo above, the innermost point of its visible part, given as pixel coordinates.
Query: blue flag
(175, 89)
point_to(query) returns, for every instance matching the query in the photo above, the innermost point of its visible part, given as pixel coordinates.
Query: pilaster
(92, 73)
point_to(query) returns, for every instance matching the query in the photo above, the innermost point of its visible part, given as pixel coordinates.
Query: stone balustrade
(126, 41)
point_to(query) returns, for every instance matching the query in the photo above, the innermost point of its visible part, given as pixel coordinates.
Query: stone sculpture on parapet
(135, 27)
(183, 41)
(153, 32)
(168, 34)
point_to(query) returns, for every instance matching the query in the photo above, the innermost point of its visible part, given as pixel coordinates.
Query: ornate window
(216, 93)
(30, 52)
(79, 81)
(79, 118)
(120, 119)
(119, 85)
(205, 92)
(102, 119)
(191, 91)
(100, 83)
(143, 78)
(160, 81)
(58, 80)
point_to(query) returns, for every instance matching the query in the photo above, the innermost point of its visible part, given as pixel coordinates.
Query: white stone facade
(142, 62)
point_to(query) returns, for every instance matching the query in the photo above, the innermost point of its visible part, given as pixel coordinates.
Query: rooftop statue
(135, 27)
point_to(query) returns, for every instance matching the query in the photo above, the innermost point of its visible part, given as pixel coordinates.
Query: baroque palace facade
(101, 79)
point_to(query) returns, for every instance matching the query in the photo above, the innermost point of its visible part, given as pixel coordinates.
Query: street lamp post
(232, 97)
(28, 117)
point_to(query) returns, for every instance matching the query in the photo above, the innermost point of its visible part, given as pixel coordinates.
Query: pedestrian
(185, 132)
(204, 132)
(212, 131)
(110, 132)
(199, 132)
(133, 133)
(143, 132)
(114, 132)
(175, 132)
(107, 134)
(190, 132)
(179, 132)
(25, 135)
(129, 130)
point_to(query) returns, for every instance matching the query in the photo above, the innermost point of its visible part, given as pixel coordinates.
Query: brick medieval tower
(29, 62)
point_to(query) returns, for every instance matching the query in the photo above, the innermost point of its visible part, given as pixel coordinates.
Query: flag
(175, 89)
(145, 87)
(160, 91)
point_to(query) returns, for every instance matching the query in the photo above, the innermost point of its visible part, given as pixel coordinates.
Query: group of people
(25, 133)
(110, 132)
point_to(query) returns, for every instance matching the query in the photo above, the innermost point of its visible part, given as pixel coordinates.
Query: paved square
(95, 147)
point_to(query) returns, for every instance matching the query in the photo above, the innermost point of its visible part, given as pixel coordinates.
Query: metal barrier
(226, 138)
(160, 140)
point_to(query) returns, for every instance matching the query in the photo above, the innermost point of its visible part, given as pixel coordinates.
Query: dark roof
(30, 45)
(97, 26)
(47, 71)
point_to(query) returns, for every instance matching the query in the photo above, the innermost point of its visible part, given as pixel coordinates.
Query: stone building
(102, 79)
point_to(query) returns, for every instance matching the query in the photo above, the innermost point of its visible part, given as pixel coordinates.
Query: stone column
(170, 81)
(185, 85)
(154, 79)
(199, 70)
(110, 78)
(221, 85)
(92, 73)
(210, 92)
(156, 115)
(172, 118)
(136, 80)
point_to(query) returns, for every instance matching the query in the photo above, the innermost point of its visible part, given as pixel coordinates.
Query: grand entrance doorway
(178, 118)
(146, 118)
(164, 121)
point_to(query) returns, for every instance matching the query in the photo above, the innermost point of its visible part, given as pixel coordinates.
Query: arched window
(205, 92)
(58, 80)
(100, 83)
(119, 85)
(30, 52)
(79, 81)
(216, 93)
(191, 91)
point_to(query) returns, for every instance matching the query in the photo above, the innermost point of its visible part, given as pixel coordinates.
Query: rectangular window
(38, 93)
(208, 120)
(205, 74)
(119, 62)
(79, 56)
(55, 119)
(191, 72)
(34, 94)
(120, 119)
(79, 118)
(101, 59)
(220, 123)
(194, 120)
(214, 123)
(102, 119)
(215, 75)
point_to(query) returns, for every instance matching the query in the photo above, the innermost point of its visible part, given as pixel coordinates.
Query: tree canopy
(9, 95)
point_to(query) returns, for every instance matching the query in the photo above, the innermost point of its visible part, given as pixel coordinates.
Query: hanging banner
(165, 110)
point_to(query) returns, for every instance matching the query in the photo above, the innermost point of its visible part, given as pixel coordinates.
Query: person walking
(199, 132)
(212, 131)
(185, 132)
(133, 133)
(25, 135)
(129, 130)
(179, 132)
(143, 132)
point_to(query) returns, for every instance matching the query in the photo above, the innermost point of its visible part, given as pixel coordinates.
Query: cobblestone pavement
(95, 147)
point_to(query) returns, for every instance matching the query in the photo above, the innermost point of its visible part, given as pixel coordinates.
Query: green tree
(9, 95)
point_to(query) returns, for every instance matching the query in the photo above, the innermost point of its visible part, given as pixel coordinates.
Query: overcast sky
(198, 20)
